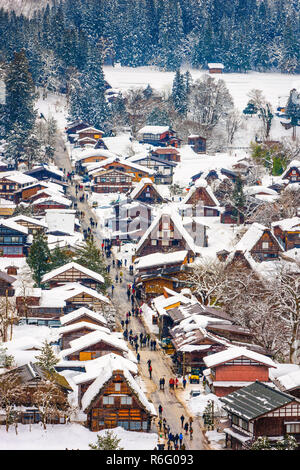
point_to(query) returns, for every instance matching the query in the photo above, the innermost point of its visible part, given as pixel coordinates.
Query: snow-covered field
(68, 437)
(273, 85)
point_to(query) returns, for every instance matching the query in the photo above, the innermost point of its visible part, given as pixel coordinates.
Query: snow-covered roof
(201, 183)
(65, 319)
(89, 129)
(73, 265)
(54, 197)
(18, 177)
(97, 385)
(30, 220)
(13, 225)
(235, 352)
(174, 217)
(288, 224)
(153, 129)
(291, 380)
(251, 237)
(95, 153)
(257, 189)
(141, 184)
(109, 361)
(82, 324)
(58, 296)
(215, 65)
(158, 259)
(95, 337)
(95, 167)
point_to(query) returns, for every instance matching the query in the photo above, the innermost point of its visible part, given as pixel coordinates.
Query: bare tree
(50, 401)
(10, 392)
(207, 281)
(233, 122)
(8, 314)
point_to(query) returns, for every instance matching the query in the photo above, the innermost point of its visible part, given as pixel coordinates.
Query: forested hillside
(242, 34)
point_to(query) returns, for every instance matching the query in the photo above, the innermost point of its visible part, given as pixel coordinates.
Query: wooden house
(215, 67)
(161, 136)
(257, 244)
(129, 221)
(68, 333)
(7, 208)
(46, 172)
(236, 367)
(115, 399)
(163, 169)
(287, 232)
(88, 135)
(202, 197)
(6, 285)
(90, 156)
(26, 193)
(292, 173)
(13, 239)
(166, 234)
(197, 143)
(83, 314)
(33, 225)
(259, 410)
(125, 166)
(93, 345)
(112, 181)
(94, 368)
(228, 216)
(12, 181)
(73, 128)
(169, 154)
(52, 201)
(289, 381)
(48, 306)
(73, 272)
(159, 270)
(31, 378)
(146, 191)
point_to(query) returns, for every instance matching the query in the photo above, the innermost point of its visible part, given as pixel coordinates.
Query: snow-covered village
(150, 225)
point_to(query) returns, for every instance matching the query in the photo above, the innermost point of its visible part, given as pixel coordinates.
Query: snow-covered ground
(69, 437)
(273, 85)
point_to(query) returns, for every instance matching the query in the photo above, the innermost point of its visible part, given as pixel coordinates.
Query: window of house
(153, 242)
(124, 424)
(126, 400)
(265, 245)
(165, 225)
(135, 425)
(107, 400)
(235, 420)
(144, 425)
(293, 428)
(244, 424)
(117, 387)
(165, 242)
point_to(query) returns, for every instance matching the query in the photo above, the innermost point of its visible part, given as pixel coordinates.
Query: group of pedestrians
(187, 426)
(173, 383)
(174, 440)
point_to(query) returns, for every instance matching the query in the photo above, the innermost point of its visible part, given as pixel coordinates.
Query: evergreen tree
(58, 257)
(179, 93)
(39, 257)
(108, 442)
(92, 258)
(293, 109)
(238, 200)
(20, 95)
(158, 117)
(47, 359)
(88, 101)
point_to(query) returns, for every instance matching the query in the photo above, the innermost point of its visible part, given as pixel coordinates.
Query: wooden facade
(93, 351)
(148, 194)
(72, 274)
(117, 404)
(26, 193)
(266, 248)
(200, 194)
(13, 243)
(6, 285)
(169, 154)
(197, 143)
(290, 238)
(112, 181)
(137, 172)
(292, 174)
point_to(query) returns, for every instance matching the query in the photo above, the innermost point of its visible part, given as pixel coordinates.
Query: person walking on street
(128, 294)
(176, 438)
(149, 362)
(122, 323)
(154, 345)
(176, 382)
(180, 439)
(136, 348)
(112, 289)
(183, 446)
(116, 278)
(138, 357)
(182, 420)
(160, 410)
(160, 424)
(121, 276)
(186, 427)
(191, 433)
(150, 372)
(184, 382)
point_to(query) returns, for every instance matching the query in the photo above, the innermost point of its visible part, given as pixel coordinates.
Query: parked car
(195, 393)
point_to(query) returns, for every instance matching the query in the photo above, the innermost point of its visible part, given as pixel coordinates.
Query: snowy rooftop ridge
(72, 265)
(65, 319)
(235, 352)
(153, 129)
(92, 338)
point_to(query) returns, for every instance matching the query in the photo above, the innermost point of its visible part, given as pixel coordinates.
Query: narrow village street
(161, 363)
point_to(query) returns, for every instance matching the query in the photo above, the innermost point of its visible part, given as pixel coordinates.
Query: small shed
(215, 67)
